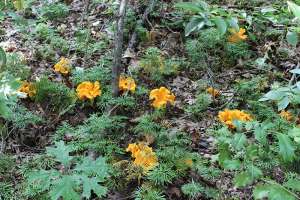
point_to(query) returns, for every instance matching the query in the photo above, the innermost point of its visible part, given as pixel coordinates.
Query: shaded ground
(26, 143)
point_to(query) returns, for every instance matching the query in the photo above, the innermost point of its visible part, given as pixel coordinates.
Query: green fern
(6, 163)
(237, 51)
(107, 101)
(147, 192)
(208, 45)
(100, 73)
(21, 117)
(154, 64)
(204, 168)
(147, 125)
(193, 190)
(203, 100)
(59, 44)
(54, 11)
(251, 89)
(162, 175)
(16, 66)
(167, 138)
(55, 95)
(43, 31)
(43, 52)
(7, 191)
(95, 125)
(42, 161)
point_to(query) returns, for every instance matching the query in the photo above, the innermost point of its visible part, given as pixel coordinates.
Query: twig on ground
(112, 110)
(224, 105)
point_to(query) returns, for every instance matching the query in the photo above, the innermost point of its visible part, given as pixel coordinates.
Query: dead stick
(119, 37)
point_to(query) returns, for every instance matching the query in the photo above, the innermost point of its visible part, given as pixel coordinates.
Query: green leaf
(42, 178)
(91, 184)
(239, 125)
(272, 192)
(65, 188)
(294, 8)
(221, 25)
(4, 110)
(283, 103)
(2, 16)
(193, 25)
(275, 95)
(242, 179)
(239, 140)
(295, 133)
(231, 164)
(292, 38)
(286, 148)
(295, 71)
(254, 171)
(247, 177)
(233, 22)
(224, 153)
(197, 7)
(94, 167)
(252, 152)
(260, 132)
(265, 10)
(2, 58)
(293, 184)
(19, 4)
(61, 153)
(260, 135)
(15, 84)
(189, 6)
(261, 62)
(261, 191)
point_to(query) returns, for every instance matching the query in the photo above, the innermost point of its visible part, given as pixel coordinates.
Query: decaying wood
(119, 37)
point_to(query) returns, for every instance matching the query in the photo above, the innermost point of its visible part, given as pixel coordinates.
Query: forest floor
(217, 140)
